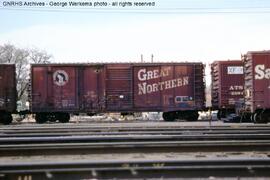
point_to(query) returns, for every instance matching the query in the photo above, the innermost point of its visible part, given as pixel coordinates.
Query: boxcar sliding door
(119, 87)
(91, 88)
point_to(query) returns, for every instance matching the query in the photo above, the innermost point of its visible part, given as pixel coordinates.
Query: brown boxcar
(257, 85)
(177, 89)
(8, 92)
(227, 86)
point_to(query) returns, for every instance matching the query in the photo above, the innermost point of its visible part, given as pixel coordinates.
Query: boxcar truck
(227, 88)
(257, 85)
(176, 89)
(8, 92)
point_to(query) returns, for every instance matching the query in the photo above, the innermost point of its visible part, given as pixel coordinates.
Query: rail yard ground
(113, 147)
(147, 117)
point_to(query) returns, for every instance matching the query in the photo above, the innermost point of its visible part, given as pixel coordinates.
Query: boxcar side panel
(232, 84)
(164, 87)
(54, 88)
(227, 83)
(184, 92)
(38, 88)
(261, 85)
(91, 88)
(63, 82)
(8, 92)
(146, 91)
(167, 87)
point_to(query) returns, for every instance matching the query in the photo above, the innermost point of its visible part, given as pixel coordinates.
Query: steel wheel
(5, 118)
(41, 118)
(63, 117)
(168, 116)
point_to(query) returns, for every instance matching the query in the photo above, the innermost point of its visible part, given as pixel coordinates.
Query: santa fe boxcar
(177, 89)
(227, 86)
(257, 85)
(8, 92)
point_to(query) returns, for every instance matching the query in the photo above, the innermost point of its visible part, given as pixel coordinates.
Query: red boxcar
(257, 85)
(8, 92)
(227, 85)
(177, 89)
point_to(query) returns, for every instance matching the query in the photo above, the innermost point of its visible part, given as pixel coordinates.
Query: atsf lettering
(236, 87)
(236, 90)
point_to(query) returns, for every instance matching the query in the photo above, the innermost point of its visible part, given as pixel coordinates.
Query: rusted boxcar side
(57, 90)
(227, 86)
(174, 88)
(8, 92)
(177, 89)
(257, 84)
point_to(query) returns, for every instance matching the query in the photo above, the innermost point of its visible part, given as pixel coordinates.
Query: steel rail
(79, 132)
(256, 167)
(131, 138)
(129, 126)
(52, 131)
(133, 147)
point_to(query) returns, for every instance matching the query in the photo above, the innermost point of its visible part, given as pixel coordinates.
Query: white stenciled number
(235, 70)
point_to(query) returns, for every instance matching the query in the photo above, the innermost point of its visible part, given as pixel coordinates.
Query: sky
(172, 30)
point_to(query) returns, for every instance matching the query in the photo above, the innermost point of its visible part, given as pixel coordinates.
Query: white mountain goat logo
(60, 77)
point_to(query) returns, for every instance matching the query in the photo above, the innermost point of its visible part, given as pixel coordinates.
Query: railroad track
(139, 169)
(129, 127)
(67, 141)
(115, 139)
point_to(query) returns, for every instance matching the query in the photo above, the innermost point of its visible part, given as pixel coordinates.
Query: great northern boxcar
(227, 88)
(8, 92)
(177, 89)
(257, 85)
